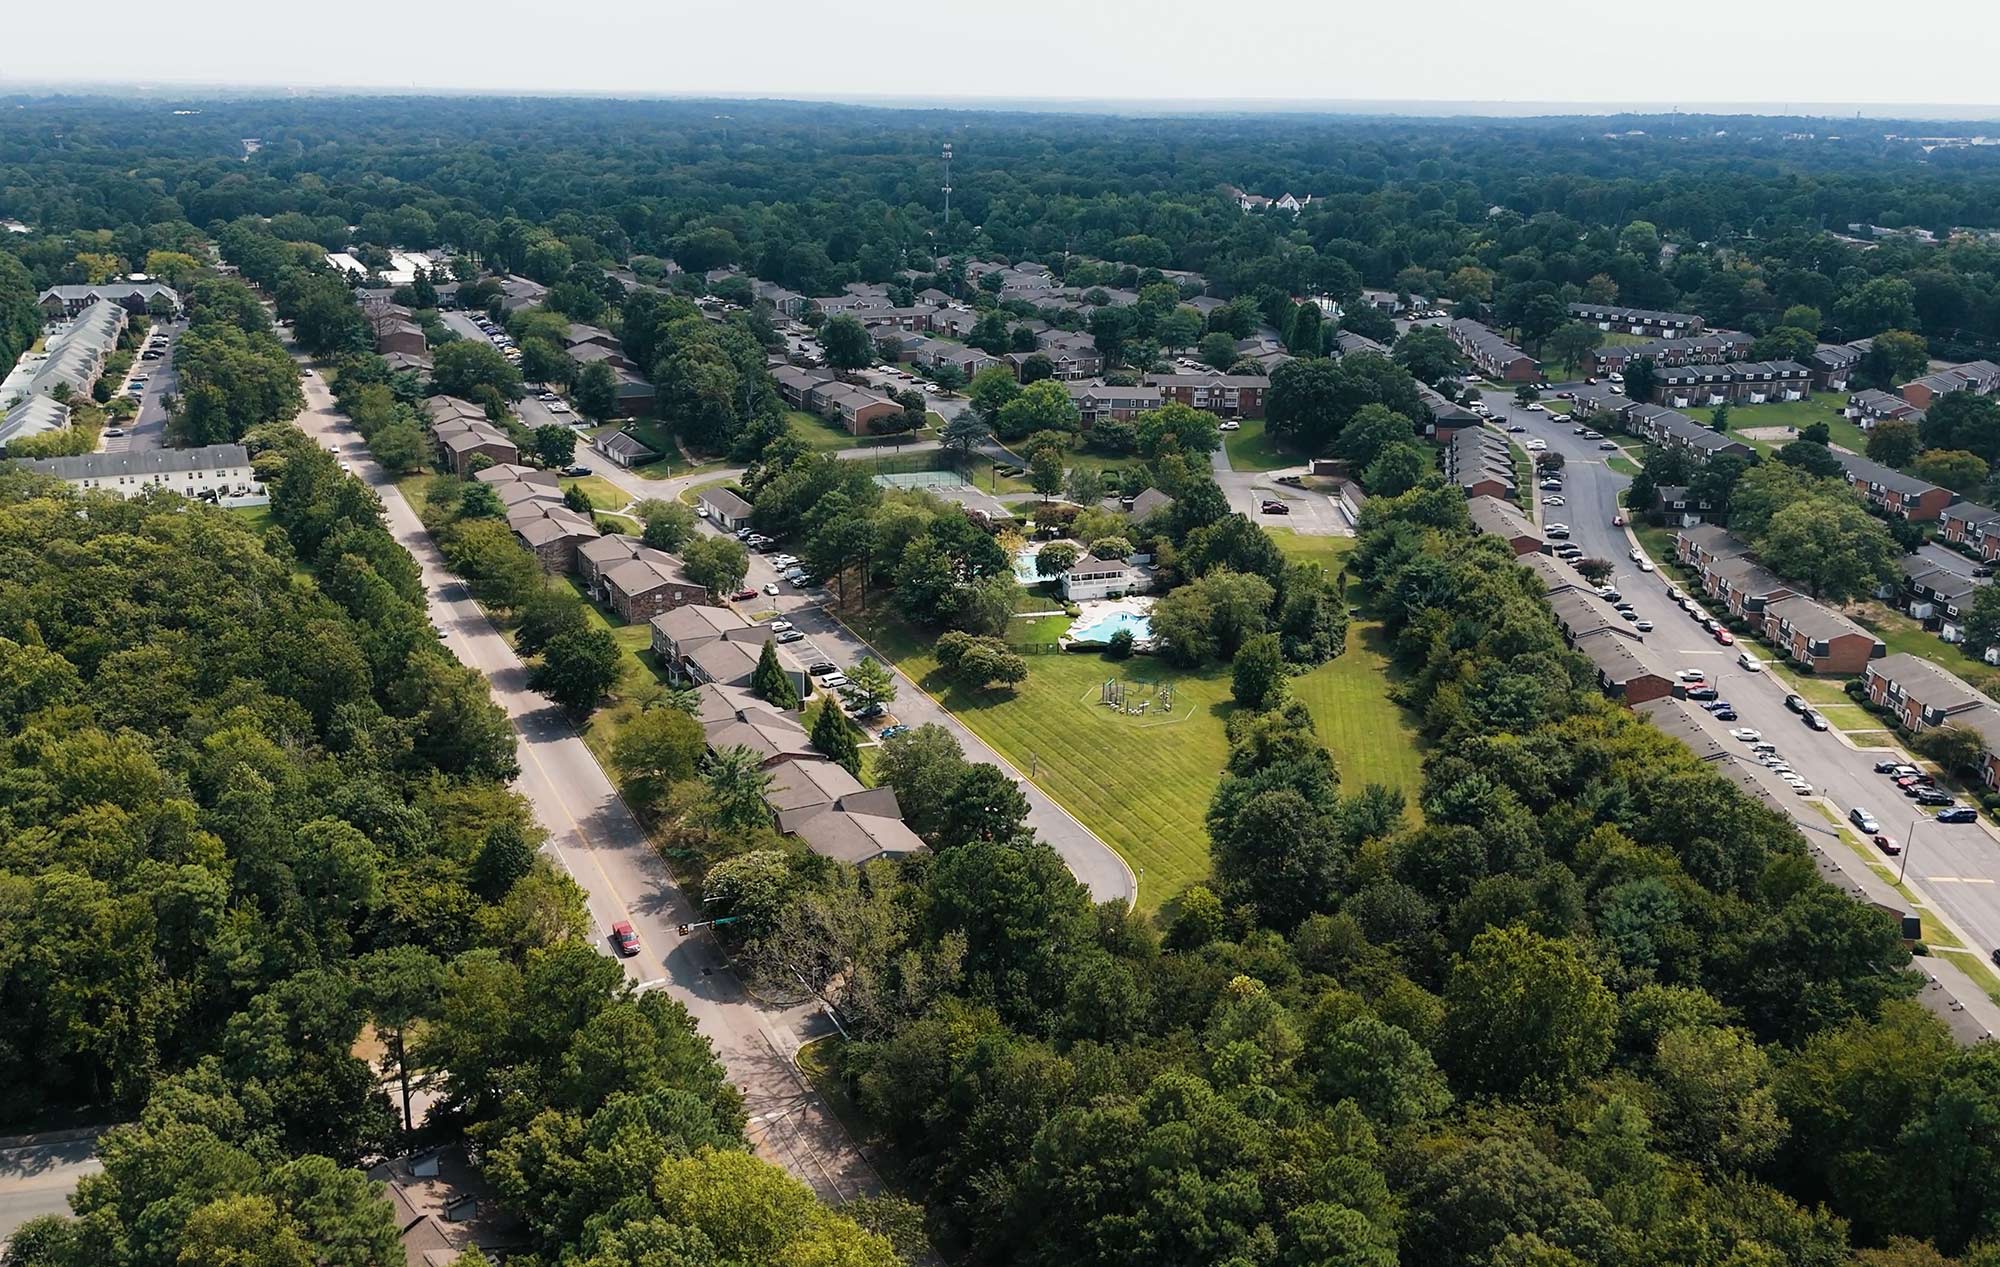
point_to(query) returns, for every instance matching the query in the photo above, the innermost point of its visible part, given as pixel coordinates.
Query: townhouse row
(810, 798)
(1801, 629)
(1496, 358)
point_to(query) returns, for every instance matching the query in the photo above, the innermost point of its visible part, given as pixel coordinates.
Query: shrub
(1119, 646)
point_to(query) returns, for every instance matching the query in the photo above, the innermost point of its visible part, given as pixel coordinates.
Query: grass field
(1144, 785)
(1800, 414)
(1251, 448)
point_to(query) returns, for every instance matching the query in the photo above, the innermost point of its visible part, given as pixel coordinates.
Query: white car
(1555, 527)
(1645, 565)
(779, 626)
(1691, 675)
(1229, 425)
(1537, 407)
(1634, 554)
(558, 407)
(1553, 501)
(1747, 735)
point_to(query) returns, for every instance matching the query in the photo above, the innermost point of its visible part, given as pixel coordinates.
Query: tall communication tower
(947, 184)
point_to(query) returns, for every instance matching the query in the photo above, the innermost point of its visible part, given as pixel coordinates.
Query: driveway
(1954, 870)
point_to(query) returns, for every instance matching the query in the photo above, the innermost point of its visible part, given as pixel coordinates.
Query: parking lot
(149, 382)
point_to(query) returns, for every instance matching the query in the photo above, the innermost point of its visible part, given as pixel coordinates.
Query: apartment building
(1974, 528)
(1672, 429)
(211, 472)
(1924, 696)
(1894, 493)
(1642, 321)
(1481, 463)
(1745, 586)
(1871, 406)
(1833, 364)
(1713, 347)
(1496, 518)
(1811, 634)
(1496, 358)
(1098, 400)
(1982, 378)
(1225, 395)
(1732, 383)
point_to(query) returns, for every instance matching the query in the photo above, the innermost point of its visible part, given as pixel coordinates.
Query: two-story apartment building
(703, 644)
(1871, 406)
(635, 580)
(552, 532)
(1707, 544)
(1938, 588)
(1623, 671)
(1745, 587)
(1098, 400)
(1496, 358)
(1923, 696)
(1481, 463)
(1732, 383)
(1973, 528)
(210, 472)
(1710, 348)
(1496, 518)
(1644, 321)
(1894, 493)
(1073, 355)
(1671, 429)
(1982, 378)
(856, 408)
(1809, 633)
(1833, 364)
(1225, 395)
(60, 303)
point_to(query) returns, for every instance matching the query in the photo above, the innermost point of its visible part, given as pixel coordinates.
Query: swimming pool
(1099, 627)
(1024, 568)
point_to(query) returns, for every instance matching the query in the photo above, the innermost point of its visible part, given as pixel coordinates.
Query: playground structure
(1136, 699)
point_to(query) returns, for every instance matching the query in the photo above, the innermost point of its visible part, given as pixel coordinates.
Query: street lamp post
(1909, 843)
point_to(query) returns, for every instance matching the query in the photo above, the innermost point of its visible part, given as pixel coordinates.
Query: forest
(1576, 1002)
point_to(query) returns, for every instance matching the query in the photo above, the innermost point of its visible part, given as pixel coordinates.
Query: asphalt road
(594, 836)
(37, 1174)
(148, 429)
(1954, 869)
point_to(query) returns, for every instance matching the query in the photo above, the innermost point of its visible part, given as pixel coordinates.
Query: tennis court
(922, 479)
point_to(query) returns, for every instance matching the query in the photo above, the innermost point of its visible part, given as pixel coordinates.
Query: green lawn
(1251, 448)
(1800, 414)
(603, 494)
(1901, 633)
(1143, 785)
(255, 518)
(822, 436)
(1623, 465)
(638, 682)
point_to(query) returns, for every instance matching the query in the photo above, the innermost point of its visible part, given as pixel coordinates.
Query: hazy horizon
(1556, 58)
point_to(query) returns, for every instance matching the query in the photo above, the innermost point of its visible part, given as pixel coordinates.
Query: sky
(1770, 56)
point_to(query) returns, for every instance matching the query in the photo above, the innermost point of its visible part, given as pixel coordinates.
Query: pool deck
(1095, 611)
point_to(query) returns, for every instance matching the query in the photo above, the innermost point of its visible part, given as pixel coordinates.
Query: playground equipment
(1134, 700)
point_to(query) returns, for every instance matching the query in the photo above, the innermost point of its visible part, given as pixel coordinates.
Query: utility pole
(947, 188)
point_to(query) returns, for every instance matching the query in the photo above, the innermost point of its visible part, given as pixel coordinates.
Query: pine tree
(833, 736)
(770, 682)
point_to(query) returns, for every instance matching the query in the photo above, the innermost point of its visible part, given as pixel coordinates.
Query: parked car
(576, 472)
(771, 588)
(1814, 720)
(624, 940)
(1691, 675)
(742, 594)
(1958, 814)
(1748, 735)
(1702, 692)
(1887, 845)
(1864, 820)
(1644, 626)
(1931, 796)
(113, 431)
(833, 681)
(1229, 424)
(1275, 508)
(1797, 704)
(789, 636)
(1727, 714)
(779, 626)
(1716, 706)
(1726, 638)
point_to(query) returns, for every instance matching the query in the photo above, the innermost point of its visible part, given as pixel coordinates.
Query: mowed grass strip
(1372, 738)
